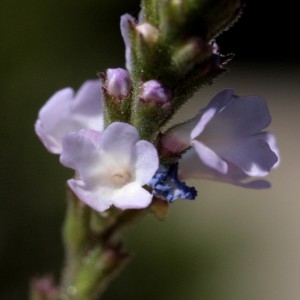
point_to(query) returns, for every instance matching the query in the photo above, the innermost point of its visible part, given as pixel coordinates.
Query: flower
(66, 111)
(226, 136)
(112, 166)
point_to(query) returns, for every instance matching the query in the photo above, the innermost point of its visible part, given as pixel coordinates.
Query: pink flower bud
(149, 32)
(154, 92)
(118, 83)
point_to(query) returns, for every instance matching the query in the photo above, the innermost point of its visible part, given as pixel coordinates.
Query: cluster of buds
(110, 131)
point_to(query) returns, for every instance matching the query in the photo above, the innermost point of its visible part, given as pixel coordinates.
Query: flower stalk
(95, 253)
(126, 165)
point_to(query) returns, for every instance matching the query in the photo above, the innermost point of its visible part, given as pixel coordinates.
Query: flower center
(121, 177)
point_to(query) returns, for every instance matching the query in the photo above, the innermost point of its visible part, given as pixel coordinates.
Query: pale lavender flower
(152, 91)
(66, 111)
(118, 83)
(112, 166)
(226, 136)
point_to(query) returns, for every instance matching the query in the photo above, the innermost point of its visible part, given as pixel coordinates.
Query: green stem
(94, 252)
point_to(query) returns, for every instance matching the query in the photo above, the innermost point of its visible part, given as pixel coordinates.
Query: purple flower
(111, 166)
(118, 83)
(66, 111)
(226, 136)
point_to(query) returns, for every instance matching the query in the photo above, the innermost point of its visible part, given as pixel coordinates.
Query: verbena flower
(66, 111)
(226, 136)
(112, 166)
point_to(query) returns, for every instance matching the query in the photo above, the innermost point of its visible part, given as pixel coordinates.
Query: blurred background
(231, 243)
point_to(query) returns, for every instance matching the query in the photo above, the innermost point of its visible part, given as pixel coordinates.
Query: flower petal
(131, 196)
(191, 167)
(99, 200)
(118, 135)
(252, 154)
(78, 151)
(210, 158)
(88, 100)
(271, 141)
(220, 101)
(243, 116)
(146, 162)
(51, 126)
(64, 112)
(93, 136)
(179, 137)
(203, 121)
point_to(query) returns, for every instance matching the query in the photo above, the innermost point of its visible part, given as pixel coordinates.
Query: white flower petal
(88, 99)
(272, 142)
(51, 125)
(65, 112)
(203, 121)
(78, 151)
(146, 162)
(119, 139)
(99, 200)
(132, 196)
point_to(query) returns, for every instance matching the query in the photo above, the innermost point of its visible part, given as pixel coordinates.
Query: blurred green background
(231, 243)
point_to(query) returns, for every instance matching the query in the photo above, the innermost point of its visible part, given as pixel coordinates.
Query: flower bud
(154, 92)
(118, 83)
(148, 32)
(189, 53)
(44, 288)
(214, 47)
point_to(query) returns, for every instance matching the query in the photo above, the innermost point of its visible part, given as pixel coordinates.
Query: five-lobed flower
(112, 166)
(226, 140)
